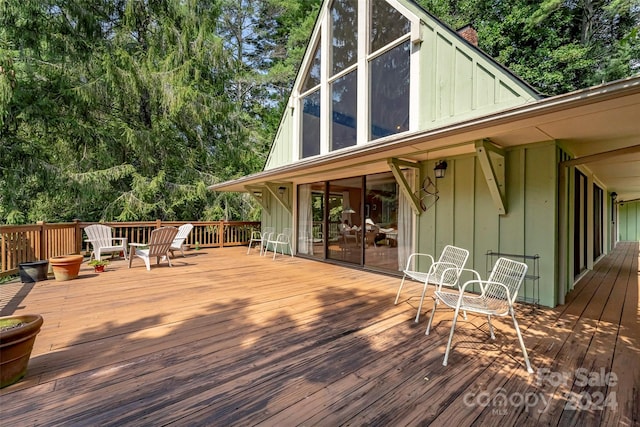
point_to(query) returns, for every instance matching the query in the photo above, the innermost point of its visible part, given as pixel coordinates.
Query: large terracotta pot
(17, 335)
(66, 267)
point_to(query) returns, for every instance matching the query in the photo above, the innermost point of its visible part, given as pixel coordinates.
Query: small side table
(132, 249)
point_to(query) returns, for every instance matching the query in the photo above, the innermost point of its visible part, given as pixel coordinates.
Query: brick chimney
(469, 34)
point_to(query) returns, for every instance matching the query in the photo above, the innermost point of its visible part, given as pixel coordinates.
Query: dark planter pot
(16, 344)
(66, 267)
(35, 271)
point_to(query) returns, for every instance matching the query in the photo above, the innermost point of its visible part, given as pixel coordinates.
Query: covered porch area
(225, 338)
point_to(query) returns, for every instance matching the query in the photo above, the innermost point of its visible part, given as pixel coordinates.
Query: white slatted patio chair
(443, 272)
(160, 241)
(259, 236)
(497, 296)
(181, 237)
(282, 240)
(102, 241)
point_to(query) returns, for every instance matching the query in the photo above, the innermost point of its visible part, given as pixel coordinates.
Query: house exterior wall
(629, 221)
(277, 217)
(451, 81)
(281, 150)
(457, 83)
(466, 216)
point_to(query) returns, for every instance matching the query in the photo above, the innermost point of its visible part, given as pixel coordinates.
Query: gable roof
(451, 80)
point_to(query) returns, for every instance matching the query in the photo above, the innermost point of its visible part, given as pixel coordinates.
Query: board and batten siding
(458, 83)
(466, 216)
(629, 221)
(282, 148)
(277, 217)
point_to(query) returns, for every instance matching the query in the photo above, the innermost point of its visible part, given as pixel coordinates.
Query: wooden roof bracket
(492, 162)
(257, 192)
(282, 193)
(396, 166)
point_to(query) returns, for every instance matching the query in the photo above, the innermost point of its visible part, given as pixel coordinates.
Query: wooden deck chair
(181, 237)
(160, 241)
(102, 241)
(444, 272)
(259, 236)
(497, 296)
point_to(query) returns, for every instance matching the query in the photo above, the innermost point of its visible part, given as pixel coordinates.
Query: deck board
(225, 338)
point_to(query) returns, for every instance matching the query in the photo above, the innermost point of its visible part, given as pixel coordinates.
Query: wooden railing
(26, 243)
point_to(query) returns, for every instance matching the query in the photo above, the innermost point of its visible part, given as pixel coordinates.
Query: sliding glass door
(362, 220)
(311, 212)
(344, 220)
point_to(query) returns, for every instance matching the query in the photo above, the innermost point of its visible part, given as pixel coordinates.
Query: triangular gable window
(311, 107)
(363, 93)
(387, 25)
(344, 35)
(313, 75)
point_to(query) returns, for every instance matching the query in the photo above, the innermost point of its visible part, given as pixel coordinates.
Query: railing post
(78, 235)
(158, 223)
(42, 247)
(3, 254)
(221, 233)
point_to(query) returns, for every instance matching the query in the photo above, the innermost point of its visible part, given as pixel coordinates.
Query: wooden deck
(225, 338)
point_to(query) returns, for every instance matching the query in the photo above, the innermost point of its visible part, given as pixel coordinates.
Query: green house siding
(458, 83)
(629, 221)
(277, 217)
(466, 216)
(281, 150)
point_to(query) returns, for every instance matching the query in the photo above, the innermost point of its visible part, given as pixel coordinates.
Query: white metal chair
(259, 237)
(102, 241)
(497, 296)
(160, 241)
(282, 240)
(444, 272)
(181, 237)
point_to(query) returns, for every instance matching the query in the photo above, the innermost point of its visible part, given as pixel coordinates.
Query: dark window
(344, 34)
(344, 110)
(389, 85)
(598, 221)
(311, 124)
(387, 25)
(313, 75)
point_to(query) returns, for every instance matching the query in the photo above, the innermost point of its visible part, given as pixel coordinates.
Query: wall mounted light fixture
(441, 167)
(281, 190)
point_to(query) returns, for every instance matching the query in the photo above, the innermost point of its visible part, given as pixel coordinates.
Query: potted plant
(17, 336)
(98, 265)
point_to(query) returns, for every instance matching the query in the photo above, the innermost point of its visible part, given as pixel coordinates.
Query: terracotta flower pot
(66, 267)
(98, 268)
(17, 336)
